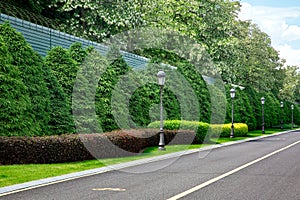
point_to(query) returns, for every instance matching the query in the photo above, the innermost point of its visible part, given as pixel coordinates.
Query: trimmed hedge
(78, 147)
(220, 130)
(201, 128)
(204, 130)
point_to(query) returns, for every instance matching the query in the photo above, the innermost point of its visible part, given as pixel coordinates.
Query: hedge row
(204, 131)
(78, 147)
(220, 130)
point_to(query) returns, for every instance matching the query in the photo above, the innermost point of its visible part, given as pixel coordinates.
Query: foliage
(63, 67)
(97, 20)
(194, 80)
(200, 128)
(223, 130)
(30, 66)
(290, 82)
(78, 53)
(271, 111)
(14, 100)
(78, 147)
(107, 81)
(61, 120)
(243, 112)
(84, 93)
(203, 130)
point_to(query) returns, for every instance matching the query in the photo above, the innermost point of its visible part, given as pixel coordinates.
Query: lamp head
(232, 93)
(161, 76)
(262, 100)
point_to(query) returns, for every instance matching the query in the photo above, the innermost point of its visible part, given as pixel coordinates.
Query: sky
(280, 19)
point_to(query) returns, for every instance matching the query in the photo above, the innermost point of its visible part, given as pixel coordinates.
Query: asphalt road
(266, 169)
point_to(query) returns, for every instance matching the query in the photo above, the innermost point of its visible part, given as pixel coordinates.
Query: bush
(200, 128)
(78, 147)
(219, 130)
(204, 130)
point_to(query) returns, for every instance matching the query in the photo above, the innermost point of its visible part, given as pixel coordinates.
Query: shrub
(78, 147)
(200, 128)
(219, 130)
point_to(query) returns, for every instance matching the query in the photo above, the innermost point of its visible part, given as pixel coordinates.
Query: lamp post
(232, 95)
(281, 121)
(263, 114)
(161, 82)
(292, 106)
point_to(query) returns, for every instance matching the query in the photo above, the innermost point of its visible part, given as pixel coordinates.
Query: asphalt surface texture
(262, 169)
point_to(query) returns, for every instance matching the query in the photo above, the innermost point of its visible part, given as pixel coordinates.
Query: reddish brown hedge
(78, 147)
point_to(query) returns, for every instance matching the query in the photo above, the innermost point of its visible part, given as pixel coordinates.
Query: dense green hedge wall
(14, 98)
(191, 75)
(61, 120)
(243, 111)
(29, 64)
(116, 68)
(63, 67)
(37, 93)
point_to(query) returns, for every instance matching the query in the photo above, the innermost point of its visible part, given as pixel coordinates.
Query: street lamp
(161, 76)
(263, 115)
(292, 106)
(232, 95)
(281, 121)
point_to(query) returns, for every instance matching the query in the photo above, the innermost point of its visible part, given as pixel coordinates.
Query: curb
(57, 179)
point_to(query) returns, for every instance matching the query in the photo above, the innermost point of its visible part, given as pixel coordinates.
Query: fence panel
(42, 39)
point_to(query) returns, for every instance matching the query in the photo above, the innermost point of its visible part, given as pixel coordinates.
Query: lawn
(14, 174)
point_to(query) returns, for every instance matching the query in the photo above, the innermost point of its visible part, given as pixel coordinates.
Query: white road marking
(51, 183)
(198, 187)
(110, 189)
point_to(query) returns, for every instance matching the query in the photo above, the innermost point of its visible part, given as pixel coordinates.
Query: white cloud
(290, 54)
(274, 22)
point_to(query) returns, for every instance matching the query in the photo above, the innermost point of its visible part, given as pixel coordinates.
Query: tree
(63, 67)
(61, 120)
(14, 99)
(290, 82)
(243, 111)
(30, 65)
(84, 99)
(97, 20)
(107, 82)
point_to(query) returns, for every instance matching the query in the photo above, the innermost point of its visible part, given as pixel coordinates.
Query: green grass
(15, 174)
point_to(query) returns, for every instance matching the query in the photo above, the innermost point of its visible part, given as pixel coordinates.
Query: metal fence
(42, 39)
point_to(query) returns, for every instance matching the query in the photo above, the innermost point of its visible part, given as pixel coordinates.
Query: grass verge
(15, 174)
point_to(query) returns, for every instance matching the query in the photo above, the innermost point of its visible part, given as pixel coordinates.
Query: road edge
(62, 178)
